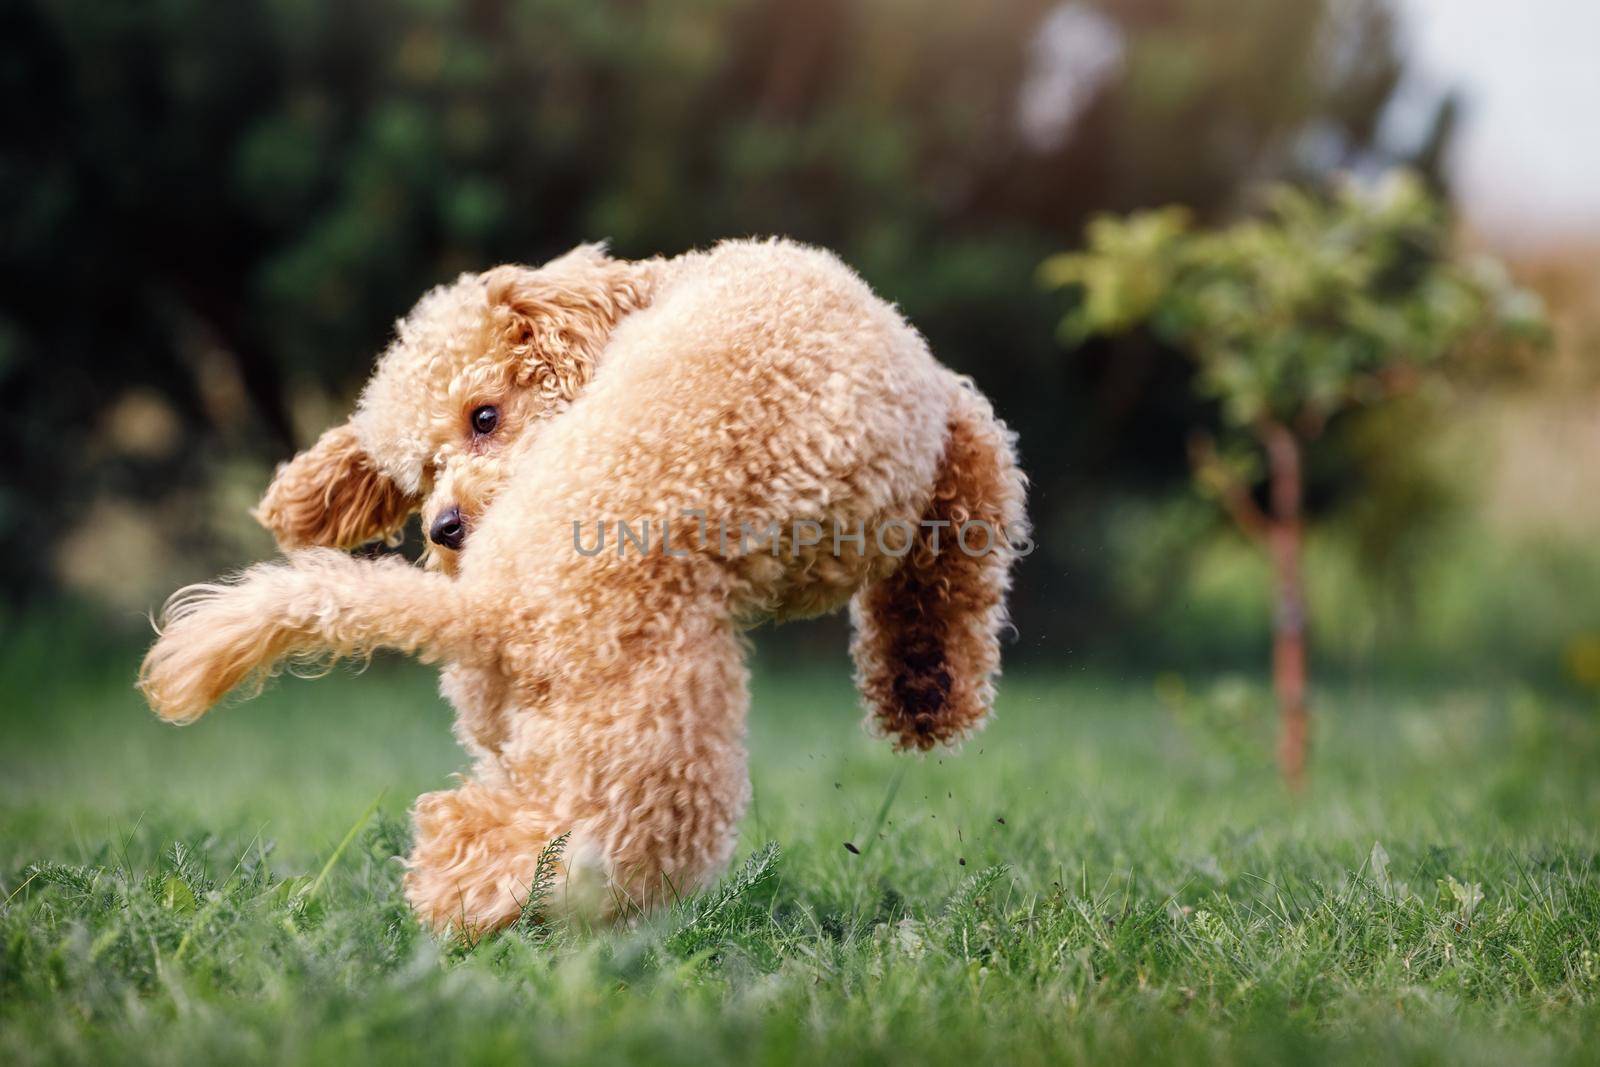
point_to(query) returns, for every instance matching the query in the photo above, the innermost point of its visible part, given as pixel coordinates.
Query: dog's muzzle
(448, 530)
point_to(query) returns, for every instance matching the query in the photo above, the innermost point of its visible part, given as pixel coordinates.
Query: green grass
(1109, 873)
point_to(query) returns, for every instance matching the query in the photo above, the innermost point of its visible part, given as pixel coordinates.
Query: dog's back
(799, 448)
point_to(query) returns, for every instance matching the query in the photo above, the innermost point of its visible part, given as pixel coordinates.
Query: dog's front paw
(212, 638)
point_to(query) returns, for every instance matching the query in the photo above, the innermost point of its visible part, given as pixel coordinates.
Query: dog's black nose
(448, 531)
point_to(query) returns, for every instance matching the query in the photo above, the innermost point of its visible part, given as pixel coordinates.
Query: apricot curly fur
(927, 638)
(605, 694)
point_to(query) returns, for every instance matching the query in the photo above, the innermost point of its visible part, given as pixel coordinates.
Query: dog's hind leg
(321, 604)
(927, 637)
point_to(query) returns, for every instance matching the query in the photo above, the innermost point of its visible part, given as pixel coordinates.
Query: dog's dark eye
(485, 419)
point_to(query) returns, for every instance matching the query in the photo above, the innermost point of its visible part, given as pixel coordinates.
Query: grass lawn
(1109, 873)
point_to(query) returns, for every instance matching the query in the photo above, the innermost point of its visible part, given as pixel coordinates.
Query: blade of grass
(350, 835)
(883, 809)
(19, 889)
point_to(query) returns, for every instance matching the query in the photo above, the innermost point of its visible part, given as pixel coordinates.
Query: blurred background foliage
(213, 212)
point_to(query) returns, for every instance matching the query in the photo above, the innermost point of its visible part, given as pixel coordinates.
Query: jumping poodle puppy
(621, 466)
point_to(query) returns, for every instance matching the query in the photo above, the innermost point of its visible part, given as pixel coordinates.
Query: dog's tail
(321, 605)
(927, 638)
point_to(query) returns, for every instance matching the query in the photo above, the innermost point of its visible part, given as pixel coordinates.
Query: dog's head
(474, 370)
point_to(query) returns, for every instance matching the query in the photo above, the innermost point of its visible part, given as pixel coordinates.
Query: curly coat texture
(605, 693)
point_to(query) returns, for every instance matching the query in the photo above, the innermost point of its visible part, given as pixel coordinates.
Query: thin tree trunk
(1284, 540)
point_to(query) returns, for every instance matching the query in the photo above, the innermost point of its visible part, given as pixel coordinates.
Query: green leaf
(177, 896)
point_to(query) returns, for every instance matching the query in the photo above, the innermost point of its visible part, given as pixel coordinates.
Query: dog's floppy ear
(332, 495)
(556, 319)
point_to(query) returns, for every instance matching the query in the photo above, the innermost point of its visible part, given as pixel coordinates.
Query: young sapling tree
(1321, 304)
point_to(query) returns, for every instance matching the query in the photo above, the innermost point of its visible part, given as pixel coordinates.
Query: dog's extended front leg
(321, 603)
